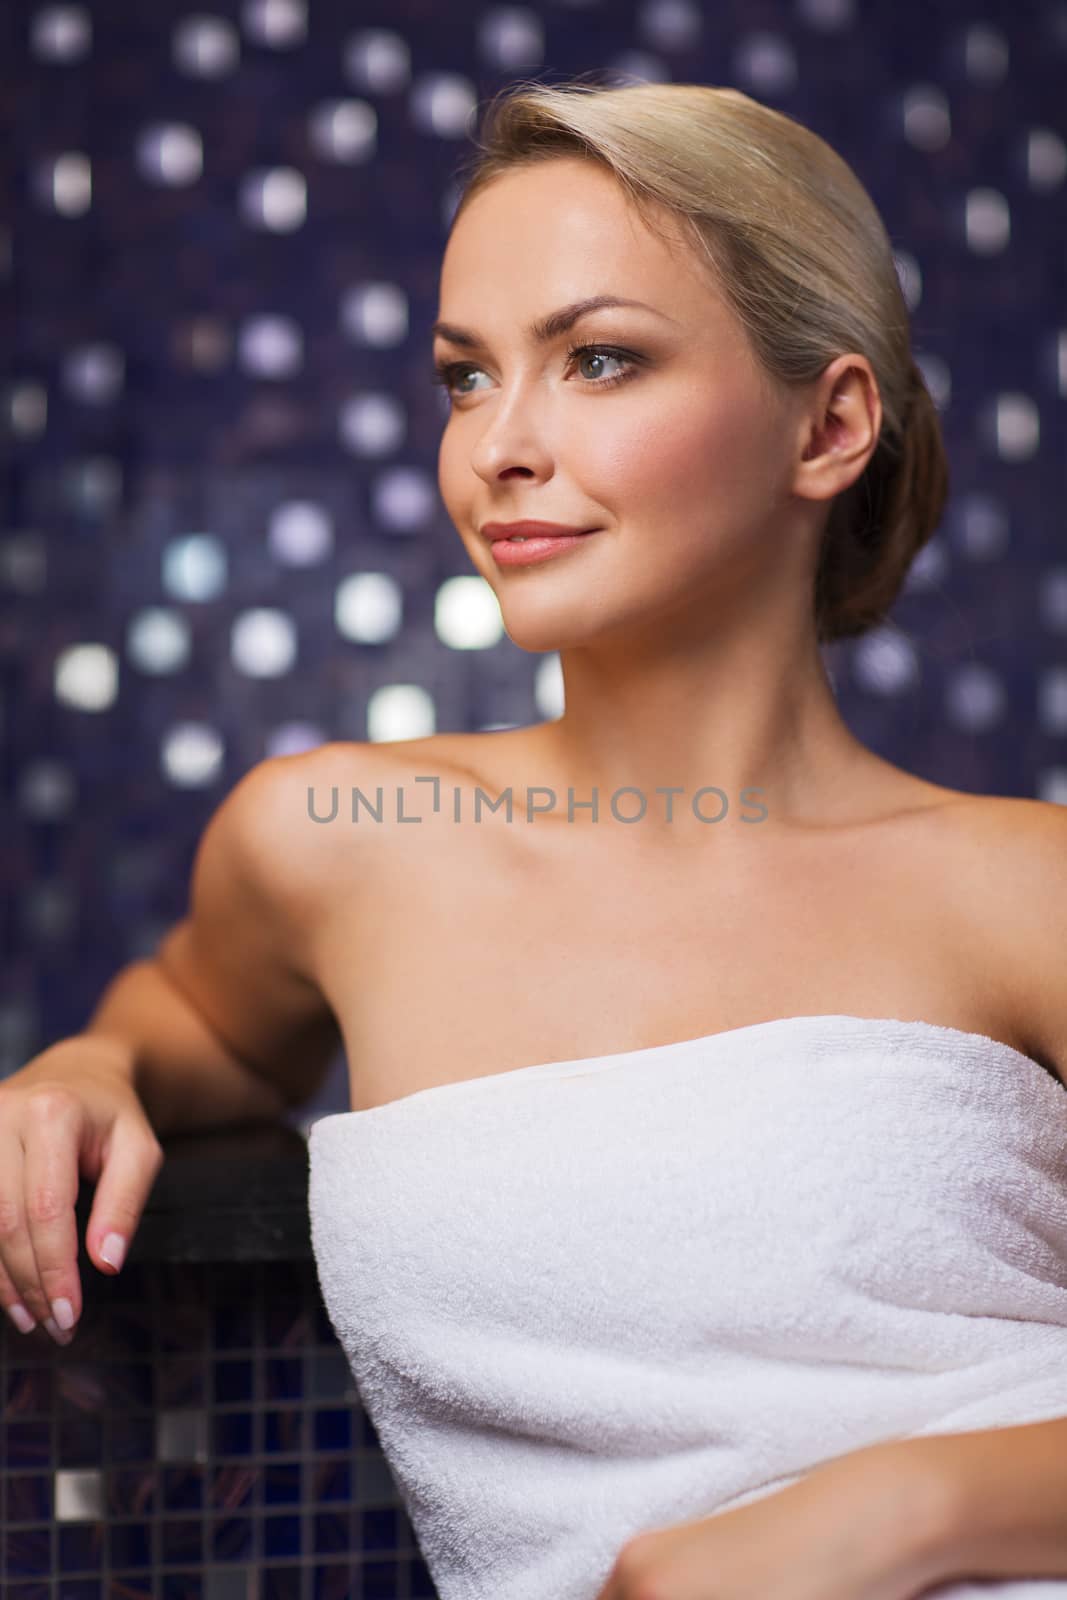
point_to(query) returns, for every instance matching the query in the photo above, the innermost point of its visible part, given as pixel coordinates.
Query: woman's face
(680, 455)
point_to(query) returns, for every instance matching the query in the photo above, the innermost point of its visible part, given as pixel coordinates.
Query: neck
(736, 714)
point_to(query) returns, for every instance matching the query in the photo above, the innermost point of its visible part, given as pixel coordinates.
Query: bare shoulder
(1013, 852)
(395, 765)
(285, 805)
(298, 812)
(1022, 842)
(265, 842)
(1010, 814)
(244, 954)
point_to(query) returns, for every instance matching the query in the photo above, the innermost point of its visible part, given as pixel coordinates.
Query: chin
(557, 628)
(538, 641)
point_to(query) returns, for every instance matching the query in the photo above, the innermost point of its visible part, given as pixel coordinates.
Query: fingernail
(21, 1318)
(57, 1333)
(113, 1250)
(63, 1312)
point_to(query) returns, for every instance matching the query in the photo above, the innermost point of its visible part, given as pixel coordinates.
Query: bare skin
(453, 950)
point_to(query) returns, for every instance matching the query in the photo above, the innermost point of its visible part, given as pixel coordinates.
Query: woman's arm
(226, 1022)
(1006, 1498)
(183, 1074)
(890, 1521)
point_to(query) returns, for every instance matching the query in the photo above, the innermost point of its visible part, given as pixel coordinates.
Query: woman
(735, 944)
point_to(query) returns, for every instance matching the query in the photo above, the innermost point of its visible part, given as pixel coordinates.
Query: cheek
(685, 451)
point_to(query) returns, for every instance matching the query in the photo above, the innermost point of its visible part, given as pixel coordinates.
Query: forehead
(556, 230)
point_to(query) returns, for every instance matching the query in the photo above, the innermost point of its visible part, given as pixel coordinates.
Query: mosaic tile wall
(199, 1440)
(220, 538)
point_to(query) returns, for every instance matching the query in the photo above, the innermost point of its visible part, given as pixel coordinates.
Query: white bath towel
(586, 1298)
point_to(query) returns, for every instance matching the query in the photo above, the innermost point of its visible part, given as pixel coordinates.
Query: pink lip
(538, 549)
(531, 529)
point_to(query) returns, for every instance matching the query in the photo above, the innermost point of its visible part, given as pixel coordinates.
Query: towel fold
(582, 1299)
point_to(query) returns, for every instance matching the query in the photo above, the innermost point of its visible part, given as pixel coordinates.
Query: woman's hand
(860, 1527)
(72, 1110)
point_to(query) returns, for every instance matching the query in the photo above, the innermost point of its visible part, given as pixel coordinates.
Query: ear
(839, 429)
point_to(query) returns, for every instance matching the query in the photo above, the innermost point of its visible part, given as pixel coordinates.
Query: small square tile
(28, 1497)
(230, 1539)
(233, 1484)
(27, 1552)
(181, 1382)
(232, 1381)
(379, 1528)
(281, 1483)
(182, 1436)
(131, 1544)
(329, 1479)
(281, 1536)
(332, 1532)
(131, 1438)
(375, 1484)
(181, 1540)
(79, 1441)
(332, 1430)
(183, 1488)
(330, 1376)
(232, 1433)
(283, 1379)
(79, 1496)
(132, 1491)
(79, 1546)
(283, 1431)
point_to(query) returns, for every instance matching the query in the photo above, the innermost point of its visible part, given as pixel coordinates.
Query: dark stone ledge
(233, 1194)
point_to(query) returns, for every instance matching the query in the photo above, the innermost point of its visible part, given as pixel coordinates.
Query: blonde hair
(795, 244)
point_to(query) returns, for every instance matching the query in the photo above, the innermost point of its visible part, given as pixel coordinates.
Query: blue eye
(449, 373)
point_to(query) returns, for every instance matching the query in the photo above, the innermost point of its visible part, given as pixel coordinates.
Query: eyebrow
(545, 328)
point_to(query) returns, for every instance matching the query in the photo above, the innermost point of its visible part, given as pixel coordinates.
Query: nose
(512, 440)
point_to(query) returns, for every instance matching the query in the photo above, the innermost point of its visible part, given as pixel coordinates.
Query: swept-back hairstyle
(797, 247)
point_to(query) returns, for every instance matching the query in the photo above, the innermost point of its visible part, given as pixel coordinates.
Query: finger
(17, 1264)
(130, 1167)
(52, 1127)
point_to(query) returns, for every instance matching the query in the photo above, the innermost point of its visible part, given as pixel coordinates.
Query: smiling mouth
(543, 538)
(524, 550)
